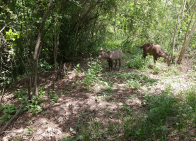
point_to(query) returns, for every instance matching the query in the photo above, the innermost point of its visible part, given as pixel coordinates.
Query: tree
(176, 28)
(187, 39)
(37, 47)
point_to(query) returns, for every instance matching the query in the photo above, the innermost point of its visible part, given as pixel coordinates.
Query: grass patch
(163, 116)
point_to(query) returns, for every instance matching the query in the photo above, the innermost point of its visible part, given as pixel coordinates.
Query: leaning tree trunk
(37, 47)
(190, 21)
(187, 40)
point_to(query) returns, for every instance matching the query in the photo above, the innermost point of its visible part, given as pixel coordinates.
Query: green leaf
(80, 137)
(71, 129)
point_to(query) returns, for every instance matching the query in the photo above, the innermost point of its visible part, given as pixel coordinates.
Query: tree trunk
(190, 21)
(56, 39)
(56, 44)
(55, 52)
(187, 39)
(29, 68)
(174, 39)
(38, 46)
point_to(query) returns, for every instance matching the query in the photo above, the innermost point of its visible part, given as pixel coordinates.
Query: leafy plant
(13, 36)
(153, 122)
(29, 122)
(53, 97)
(156, 70)
(76, 84)
(21, 95)
(43, 65)
(34, 106)
(91, 130)
(137, 63)
(133, 84)
(9, 111)
(91, 75)
(169, 71)
(107, 92)
(28, 131)
(78, 70)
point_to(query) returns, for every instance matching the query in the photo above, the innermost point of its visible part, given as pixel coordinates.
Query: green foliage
(107, 92)
(29, 122)
(8, 112)
(21, 95)
(133, 84)
(191, 98)
(34, 106)
(90, 130)
(110, 24)
(53, 97)
(110, 45)
(172, 70)
(28, 131)
(4, 79)
(91, 75)
(151, 125)
(43, 65)
(137, 63)
(81, 38)
(7, 51)
(136, 79)
(13, 36)
(78, 70)
(163, 110)
(188, 110)
(134, 55)
(156, 69)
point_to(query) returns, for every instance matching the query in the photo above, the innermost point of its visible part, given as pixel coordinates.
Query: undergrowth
(163, 115)
(160, 115)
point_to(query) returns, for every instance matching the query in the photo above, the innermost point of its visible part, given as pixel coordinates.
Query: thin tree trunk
(174, 39)
(29, 82)
(115, 25)
(56, 44)
(38, 46)
(56, 39)
(55, 50)
(190, 21)
(187, 39)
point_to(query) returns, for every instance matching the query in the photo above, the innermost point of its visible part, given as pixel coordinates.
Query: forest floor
(77, 106)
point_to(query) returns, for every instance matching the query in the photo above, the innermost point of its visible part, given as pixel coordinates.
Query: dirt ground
(60, 119)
